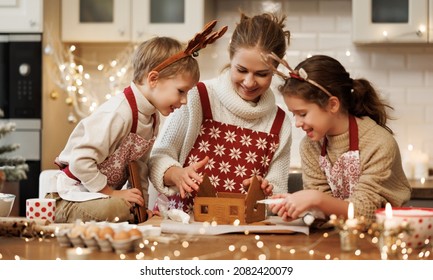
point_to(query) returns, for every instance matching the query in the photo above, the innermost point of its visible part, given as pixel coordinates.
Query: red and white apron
(235, 153)
(115, 166)
(343, 176)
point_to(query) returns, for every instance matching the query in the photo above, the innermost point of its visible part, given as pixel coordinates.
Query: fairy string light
(85, 92)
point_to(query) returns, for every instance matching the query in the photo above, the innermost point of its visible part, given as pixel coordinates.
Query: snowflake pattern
(224, 167)
(229, 185)
(219, 150)
(246, 140)
(230, 136)
(251, 157)
(210, 164)
(255, 172)
(204, 146)
(193, 159)
(274, 147)
(241, 171)
(172, 203)
(214, 133)
(261, 143)
(214, 180)
(265, 160)
(235, 153)
(244, 153)
(202, 130)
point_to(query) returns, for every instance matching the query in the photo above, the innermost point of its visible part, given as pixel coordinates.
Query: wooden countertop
(319, 245)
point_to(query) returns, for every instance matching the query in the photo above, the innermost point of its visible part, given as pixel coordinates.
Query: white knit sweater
(182, 127)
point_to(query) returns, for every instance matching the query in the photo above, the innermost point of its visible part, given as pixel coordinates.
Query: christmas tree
(11, 168)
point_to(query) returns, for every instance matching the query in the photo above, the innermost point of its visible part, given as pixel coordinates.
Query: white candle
(408, 162)
(389, 223)
(348, 241)
(351, 221)
(421, 165)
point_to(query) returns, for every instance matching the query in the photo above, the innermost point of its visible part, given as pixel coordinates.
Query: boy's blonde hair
(152, 52)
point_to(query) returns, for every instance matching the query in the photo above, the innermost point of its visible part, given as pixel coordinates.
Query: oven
(20, 100)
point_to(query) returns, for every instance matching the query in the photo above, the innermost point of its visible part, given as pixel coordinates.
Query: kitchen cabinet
(133, 20)
(96, 20)
(180, 19)
(21, 16)
(392, 21)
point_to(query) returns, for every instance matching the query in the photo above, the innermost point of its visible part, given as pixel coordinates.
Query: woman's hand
(186, 179)
(264, 185)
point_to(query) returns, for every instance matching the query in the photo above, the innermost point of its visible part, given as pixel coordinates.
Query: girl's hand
(296, 203)
(279, 208)
(187, 179)
(264, 185)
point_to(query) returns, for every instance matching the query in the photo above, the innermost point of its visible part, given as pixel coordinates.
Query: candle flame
(350, 211)
(388, 211)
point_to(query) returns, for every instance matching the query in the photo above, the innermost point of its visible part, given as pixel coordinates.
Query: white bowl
(6, 203)
(420, 220)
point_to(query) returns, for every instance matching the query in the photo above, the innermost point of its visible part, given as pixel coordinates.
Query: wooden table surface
(318, 245)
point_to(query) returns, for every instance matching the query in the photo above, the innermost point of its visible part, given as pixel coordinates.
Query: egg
(121, 235)
(77, 230)
(134, 232)
(105, 232)
(91, 231)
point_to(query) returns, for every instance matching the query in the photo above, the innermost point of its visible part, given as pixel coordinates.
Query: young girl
(231, 128)
(349, 153)
(95, 159)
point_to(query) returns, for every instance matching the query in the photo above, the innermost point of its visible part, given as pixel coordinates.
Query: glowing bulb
(385, 33)
(422, 28)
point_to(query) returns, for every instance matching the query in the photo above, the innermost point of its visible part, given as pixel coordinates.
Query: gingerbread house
(227, 207)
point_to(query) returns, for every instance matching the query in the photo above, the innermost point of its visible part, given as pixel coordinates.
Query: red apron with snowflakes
(235, 153)
(343, 176)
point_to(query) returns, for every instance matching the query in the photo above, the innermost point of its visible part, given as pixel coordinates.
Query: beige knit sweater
(382, 178)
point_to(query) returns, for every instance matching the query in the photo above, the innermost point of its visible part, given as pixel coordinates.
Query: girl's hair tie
(301, 75)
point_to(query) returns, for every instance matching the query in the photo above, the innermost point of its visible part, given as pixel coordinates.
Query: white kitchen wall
(402, 73)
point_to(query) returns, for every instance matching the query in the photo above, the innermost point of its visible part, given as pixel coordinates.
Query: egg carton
(106, 237)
